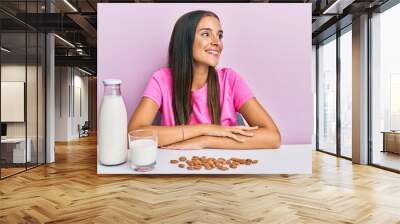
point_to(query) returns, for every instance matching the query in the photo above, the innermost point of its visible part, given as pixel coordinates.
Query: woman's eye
(205, 34)
(221, 36)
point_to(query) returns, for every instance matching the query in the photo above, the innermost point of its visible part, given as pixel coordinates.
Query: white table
(19, 149)
(288, 159)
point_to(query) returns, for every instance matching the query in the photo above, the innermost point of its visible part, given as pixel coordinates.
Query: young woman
(198, 103)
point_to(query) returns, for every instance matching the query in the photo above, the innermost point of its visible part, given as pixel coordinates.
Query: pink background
(268, 44)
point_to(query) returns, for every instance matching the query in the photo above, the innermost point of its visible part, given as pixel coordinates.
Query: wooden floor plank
(70, 191)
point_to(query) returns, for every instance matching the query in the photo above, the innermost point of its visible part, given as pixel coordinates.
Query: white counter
(289, 159)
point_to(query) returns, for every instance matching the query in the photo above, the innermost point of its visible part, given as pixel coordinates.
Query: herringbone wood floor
(70, 191)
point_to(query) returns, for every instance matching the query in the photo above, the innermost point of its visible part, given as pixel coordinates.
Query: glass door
(22, 76)
(13, 103)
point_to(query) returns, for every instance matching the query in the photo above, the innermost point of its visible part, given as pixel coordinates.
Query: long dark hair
(180, 61)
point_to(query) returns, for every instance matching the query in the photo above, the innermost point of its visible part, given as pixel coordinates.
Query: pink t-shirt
(233, 94)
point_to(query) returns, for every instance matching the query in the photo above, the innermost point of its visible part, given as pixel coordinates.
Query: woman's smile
(213, 52)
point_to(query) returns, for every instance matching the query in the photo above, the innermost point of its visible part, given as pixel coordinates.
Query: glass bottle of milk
(113, 142)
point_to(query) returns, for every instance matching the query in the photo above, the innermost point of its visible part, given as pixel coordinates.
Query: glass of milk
(143, 146)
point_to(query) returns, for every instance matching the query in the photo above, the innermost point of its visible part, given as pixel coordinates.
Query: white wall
(80, 103)
(71, 94)
(62, 82)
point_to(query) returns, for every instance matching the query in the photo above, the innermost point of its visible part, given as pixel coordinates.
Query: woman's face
(207, 46)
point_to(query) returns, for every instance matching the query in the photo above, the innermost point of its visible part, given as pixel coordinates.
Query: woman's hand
(200, 142)
(230, 131)
(194, 143)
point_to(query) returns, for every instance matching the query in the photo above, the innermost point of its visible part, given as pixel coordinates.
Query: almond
(209, 163)
(223, 168)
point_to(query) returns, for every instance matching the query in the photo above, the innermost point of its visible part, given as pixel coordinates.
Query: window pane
(13, 87)
(31, 98)
(23, 88)
(385, 82)
(346, 93)
(41, 98)
(327, 96)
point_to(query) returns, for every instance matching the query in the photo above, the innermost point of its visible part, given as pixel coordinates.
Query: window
(346, 92)
(327, 95)
(22, 77)
(385, 88)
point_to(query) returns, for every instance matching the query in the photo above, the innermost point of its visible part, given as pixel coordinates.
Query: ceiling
(76, 22)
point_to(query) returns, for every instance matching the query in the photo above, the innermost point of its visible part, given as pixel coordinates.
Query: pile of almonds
(196, 163)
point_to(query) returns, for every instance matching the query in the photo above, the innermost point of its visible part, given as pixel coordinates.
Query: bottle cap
(112, 81)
